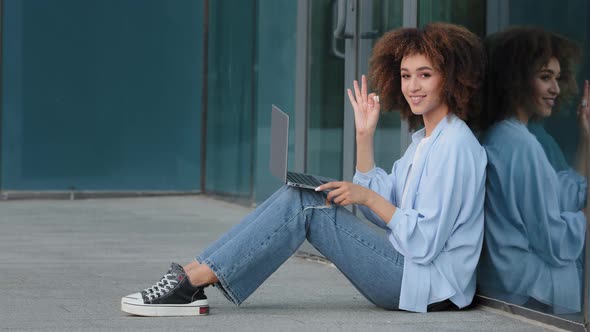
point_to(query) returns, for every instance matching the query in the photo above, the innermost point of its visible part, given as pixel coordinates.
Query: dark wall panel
(101, 95)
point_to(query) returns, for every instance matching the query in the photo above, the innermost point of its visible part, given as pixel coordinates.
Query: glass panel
(387, 15)
(327, 89)
(569, 19)
(537, 174)
(276, 49)
(230, 97)
(468, 13)
(326, 100)
(101, 95)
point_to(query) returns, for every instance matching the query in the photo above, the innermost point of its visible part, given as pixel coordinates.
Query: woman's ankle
(200, 275)
(191, 266)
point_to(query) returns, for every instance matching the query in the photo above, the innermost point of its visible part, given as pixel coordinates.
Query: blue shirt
(534, 226)
(439, 226)
(549, 145)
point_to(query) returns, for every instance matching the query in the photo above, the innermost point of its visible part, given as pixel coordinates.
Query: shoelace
(162, 287)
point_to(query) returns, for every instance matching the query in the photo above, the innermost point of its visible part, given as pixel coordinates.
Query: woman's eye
(545, 77)
(426, 75)
(405, 76)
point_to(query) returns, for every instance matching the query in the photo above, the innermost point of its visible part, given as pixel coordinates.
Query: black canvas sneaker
(173, 295)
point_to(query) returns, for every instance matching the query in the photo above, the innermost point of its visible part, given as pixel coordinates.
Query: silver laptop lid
(279, 143)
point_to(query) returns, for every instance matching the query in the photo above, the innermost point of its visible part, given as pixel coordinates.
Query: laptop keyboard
(303, 179)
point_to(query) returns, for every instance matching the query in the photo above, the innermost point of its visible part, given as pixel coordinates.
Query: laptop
(279, 145)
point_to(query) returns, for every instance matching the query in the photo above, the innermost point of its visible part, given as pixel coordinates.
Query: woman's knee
(305, 197)
(291, 193)
(283, 194)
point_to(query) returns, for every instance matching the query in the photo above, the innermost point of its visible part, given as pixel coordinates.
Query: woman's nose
(414, 85)
(554, 88)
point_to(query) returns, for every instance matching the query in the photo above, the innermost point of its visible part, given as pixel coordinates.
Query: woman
(431, 204)
(535, 225)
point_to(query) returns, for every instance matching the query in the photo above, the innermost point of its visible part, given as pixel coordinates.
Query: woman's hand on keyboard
(346, 193)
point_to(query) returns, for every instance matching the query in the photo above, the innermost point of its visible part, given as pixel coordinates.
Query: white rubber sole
(133, 304)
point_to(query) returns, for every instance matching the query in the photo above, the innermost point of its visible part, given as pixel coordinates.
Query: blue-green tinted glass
(230, 80)
(536, 188)
(468, 13)
(101, 95)
(537, 181)
(326, 93)
(275, 82)
(387, 15)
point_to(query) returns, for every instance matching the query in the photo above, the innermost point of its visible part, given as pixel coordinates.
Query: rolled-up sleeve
(573, 189)
(380, 182)
(554, 221)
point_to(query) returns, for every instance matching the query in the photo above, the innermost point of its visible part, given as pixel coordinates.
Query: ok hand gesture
(366, 109)
(584, 112)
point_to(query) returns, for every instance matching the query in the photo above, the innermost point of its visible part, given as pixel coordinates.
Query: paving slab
(64, 265)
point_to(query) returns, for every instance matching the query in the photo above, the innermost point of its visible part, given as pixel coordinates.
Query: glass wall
(251, 65)
(569, 19)
(537, 148)
(468, 13)
(326, 90)
(230, 97)
(275, 83)
(327, 99)
(386, 16)
(101, 95)
(538, 159)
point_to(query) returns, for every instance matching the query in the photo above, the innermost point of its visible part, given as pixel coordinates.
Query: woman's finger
(357, 93)
(376, 100)
(345, 202)
(332, 195)
(371, 101)
(326, 186)
(338, 200)
(586, 89)
(352, 99)
(364, 88)
(586, 93)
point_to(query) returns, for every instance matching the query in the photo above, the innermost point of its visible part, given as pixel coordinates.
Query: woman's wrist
(365, 137)
(380, 206)
(370, 199)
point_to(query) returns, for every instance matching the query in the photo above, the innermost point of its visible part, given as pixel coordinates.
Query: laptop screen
(279, 143)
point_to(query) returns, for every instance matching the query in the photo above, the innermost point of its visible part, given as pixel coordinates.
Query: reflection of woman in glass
(431, 204)
(534, 228)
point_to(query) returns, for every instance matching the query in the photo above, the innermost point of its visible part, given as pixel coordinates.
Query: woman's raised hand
(584, 112)
(366, 108)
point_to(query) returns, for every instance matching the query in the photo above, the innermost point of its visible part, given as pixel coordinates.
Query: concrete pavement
(64, 265)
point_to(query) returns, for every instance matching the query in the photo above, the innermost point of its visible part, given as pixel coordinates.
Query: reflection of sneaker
(173, 295)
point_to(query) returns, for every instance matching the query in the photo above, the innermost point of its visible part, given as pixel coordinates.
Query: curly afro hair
(515, 55)
(453, 50)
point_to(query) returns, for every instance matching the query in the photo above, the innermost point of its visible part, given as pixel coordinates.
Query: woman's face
(421, 85)
(546, 87)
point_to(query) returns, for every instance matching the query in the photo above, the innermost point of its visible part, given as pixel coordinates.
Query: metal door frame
(1, 89)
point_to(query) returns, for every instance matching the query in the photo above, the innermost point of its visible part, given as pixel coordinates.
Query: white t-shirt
(419, 151)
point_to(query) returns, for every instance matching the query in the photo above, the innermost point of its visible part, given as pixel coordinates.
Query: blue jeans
(256, 247)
